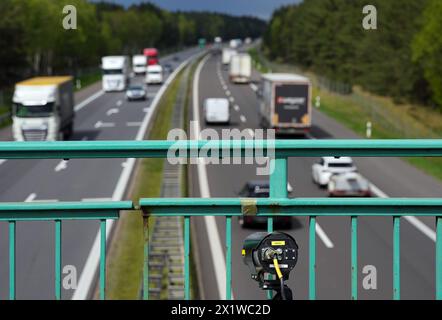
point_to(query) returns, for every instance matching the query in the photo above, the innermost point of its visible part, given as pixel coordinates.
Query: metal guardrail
(277, 204)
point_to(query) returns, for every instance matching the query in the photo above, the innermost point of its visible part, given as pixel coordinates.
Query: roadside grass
(87, 80)
(389, 120)
(125, 264)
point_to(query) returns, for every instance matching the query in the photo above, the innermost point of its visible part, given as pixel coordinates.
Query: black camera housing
(261, 248)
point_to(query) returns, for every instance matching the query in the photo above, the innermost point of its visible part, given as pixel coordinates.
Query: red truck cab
(152, 56)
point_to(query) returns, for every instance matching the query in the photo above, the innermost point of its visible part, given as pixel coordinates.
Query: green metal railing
(277, 204)
(58, 212)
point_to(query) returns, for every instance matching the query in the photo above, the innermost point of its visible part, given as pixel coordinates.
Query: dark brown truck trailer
(286, 104)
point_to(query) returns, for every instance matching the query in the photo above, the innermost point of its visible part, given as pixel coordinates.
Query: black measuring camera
(270, 255)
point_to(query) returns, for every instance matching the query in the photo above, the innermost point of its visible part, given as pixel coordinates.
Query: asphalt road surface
(390, 177)
(106, 116)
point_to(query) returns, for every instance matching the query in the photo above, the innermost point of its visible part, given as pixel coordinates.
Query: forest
(34, 42)
(401, 58)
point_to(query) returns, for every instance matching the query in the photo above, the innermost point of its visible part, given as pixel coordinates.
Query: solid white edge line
(418, 224)
(216, 248)
(93, 259)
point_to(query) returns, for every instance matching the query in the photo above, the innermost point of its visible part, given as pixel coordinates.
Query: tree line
(401, 58)
(34, 42)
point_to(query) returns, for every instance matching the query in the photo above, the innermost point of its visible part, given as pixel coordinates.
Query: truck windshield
(112, 71)
(33, 111)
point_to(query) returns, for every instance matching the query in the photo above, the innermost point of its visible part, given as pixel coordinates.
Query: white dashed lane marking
(62, 165)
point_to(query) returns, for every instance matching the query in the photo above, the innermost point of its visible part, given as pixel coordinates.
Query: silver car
(136, 92)
(350, 184)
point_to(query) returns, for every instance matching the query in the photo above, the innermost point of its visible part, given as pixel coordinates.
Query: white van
(217, 110)
(154, 74)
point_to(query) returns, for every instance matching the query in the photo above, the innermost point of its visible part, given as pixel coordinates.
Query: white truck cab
(43, 109)
(154, 74)
(139, 64)
(115, 73)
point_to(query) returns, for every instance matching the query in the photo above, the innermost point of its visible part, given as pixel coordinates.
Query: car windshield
(22, 111)
(112, 71)
(260, 191)
(340, 165)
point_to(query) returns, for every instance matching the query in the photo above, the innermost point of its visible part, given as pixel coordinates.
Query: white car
(217, 110)
(154, 74)
(328, 166)
(350, 184)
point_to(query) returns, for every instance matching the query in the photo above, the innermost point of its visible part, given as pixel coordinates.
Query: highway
(99, 116)
(389, 176)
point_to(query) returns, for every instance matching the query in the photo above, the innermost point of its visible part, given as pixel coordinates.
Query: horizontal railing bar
(201, 148)
(58, 215)
(81, 210)
(292, 207)
(71, 206)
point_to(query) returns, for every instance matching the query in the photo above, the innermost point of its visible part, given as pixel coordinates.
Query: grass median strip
(125, 269)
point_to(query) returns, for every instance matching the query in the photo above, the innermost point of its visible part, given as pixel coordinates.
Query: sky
(259, 8)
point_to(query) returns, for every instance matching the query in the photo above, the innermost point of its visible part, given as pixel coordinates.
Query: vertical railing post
(103, 259)
(58, 271)
(187, 258)
(396, 258)
(278, 188)
(146, 258)
(278, 183)
(228, 258)
(312, 259)
(12, 240)
(438, 258)
(354, 258)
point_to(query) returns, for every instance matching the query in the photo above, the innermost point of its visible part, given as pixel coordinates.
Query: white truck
(116, 73)
(217, 45)
(154, 74)
(227, 55)
(43, 109)
(139, 64)
(285, 103)
(240, 68)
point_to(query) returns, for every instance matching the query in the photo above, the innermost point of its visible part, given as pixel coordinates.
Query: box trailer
(286, 103)
(240, 68)
(227, 55)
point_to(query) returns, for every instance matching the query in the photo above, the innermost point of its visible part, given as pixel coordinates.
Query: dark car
(168, 68)
(260, 189)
